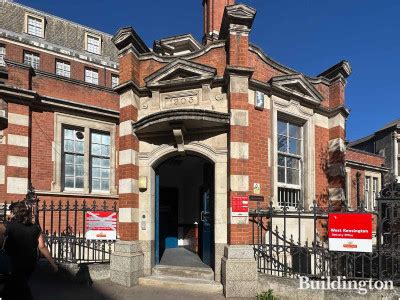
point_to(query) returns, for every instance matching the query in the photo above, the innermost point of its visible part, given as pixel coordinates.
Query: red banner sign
(350, 232)
(240, 206)
(101, 225)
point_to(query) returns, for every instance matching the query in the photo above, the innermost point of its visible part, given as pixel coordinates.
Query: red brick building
(189, 131)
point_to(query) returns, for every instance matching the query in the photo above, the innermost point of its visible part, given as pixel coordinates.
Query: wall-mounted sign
(259, 100)
(240, 206)
(350, 232)
(101, 225)
(256, 198)
(257, 188)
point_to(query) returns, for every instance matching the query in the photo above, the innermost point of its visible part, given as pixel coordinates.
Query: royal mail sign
(240, 206)
(101, 225)
(350, 232)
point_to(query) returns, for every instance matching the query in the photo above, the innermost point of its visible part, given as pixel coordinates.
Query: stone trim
(304, 116)
(17, 140)
(2, 174)
(184, 114)
(18, 119)
(17, 161)
(16, 185)
(88, 124)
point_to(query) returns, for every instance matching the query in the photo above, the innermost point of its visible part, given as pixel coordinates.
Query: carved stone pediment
(180, 72)
(297, 85)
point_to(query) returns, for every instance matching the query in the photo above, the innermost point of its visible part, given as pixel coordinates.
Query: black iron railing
(293, 243)
(64, 227)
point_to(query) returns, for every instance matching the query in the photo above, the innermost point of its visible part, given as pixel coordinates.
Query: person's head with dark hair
(21, 212)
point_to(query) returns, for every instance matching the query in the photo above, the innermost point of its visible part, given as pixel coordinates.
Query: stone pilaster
(17, 169)
(239, 272)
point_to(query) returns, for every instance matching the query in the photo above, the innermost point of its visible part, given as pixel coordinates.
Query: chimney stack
(213, 11)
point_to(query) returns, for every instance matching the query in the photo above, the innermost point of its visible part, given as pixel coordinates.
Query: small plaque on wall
(256, 198)
(259, 100)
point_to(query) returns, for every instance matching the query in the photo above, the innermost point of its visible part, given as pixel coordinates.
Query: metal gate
(389, 227)
(293, 242)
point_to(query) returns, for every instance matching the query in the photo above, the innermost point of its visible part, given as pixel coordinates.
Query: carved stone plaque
(170, 101)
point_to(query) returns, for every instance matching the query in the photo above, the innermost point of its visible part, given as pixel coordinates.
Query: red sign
(240, 206)
(101, 225)
(350, 232)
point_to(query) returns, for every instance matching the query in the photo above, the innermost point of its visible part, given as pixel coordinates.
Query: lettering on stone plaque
(180, 100)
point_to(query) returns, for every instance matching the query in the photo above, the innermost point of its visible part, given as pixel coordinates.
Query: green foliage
(267, 296)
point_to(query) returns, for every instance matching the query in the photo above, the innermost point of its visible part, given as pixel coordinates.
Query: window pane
(292, 163)
(294, 146)
(69, 182)
(96, 138)
(79, 160)
(79, 182)
(79, 170)
(96, 184)
(292, 176)
(281, 174)
(294, 131)
(69, 146)
(282, 127)
(105, 185)
(281, 160)
(69, 159)
(105, 163)
(105, 139)
(96, 149)
(68, 133)
(96, 162)
(69, 170)
(96, 172)
(105, 173)
(79, 147)
(105, 150)
(282, 143)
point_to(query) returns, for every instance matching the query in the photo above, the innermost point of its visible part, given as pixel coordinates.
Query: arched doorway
(184, 207)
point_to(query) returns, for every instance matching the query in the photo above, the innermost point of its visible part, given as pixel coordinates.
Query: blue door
(157, 221)
(205, 227)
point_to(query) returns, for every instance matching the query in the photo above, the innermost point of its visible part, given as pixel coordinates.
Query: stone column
(127, 259)
(239, 271)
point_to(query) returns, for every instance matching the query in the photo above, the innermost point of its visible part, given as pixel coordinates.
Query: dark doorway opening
(184, 212)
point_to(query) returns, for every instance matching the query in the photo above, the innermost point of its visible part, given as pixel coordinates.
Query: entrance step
(184, 272)
(182, 283)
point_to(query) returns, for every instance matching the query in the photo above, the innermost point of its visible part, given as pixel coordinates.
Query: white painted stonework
(125, 128)
(2, 174)
(17, 185)
(128, 215)
(17, 161)
(128, 157)
(18, 140)
(239, 117)
(18, 119)
(239, 150)
(239, 183)
(128, 186)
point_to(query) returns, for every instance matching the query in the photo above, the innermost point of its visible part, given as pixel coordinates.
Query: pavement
(47, 285)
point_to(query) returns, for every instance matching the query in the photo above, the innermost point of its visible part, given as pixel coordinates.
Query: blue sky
(307, 35)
